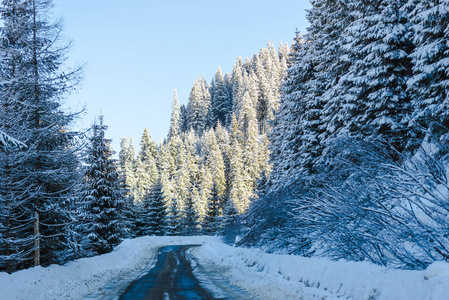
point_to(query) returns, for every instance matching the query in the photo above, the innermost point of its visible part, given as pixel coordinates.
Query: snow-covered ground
(271, 276)
(262, 275)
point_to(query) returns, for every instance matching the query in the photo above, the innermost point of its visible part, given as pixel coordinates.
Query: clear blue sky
(138, 51)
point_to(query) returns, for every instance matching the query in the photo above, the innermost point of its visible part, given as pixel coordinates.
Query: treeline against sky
(216, 150)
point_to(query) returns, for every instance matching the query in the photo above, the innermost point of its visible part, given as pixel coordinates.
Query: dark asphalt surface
(171, 279)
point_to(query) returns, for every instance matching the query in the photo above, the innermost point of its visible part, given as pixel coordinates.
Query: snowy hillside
(262, 275)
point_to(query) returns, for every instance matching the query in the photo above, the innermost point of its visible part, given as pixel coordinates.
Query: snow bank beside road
(271, 276)
(87, 275)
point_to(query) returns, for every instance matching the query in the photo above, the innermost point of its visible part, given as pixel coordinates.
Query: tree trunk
(37, 249)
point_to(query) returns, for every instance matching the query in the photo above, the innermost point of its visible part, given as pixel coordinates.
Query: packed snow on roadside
(261, 275)
(272, 276)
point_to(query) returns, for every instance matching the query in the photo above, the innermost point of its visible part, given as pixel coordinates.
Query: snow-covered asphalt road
(171, 278)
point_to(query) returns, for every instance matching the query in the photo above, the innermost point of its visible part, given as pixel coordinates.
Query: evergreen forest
(334, 146)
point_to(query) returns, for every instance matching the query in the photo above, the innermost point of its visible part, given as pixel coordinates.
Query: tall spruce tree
(179, 176)
(127, 158)
(146, 173)
(229, 221)
(198, 106)
(236, 82)
(328, 21)
(213, 160)
(428, 85)
(154, 211)
(165, 166)
(104, 194)
(183, 120)
(223, 142)
(245, 103)
(175, 120)
(378, 104)
(37, 182)
(211, 223)
(239, 193)
(221, 101)
(190, 219)
(174, 225)
(294, 142)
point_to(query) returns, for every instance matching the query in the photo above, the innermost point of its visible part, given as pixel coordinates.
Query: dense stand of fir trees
(57, 202)
(63, 197)
(215, 152)
(359, 143)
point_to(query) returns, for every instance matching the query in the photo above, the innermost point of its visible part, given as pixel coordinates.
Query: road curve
(171, 279)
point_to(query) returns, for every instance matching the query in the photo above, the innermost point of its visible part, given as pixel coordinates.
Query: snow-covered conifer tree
(221, 101)
(327, 63)
(146, 173)
(229, 221)
(127, 158)
(175, 120)
(236, 80)
(179, 175)
(239, 192)
(377, 103)
(211, 223)
(428, 85)
(165, 166)
(190, 215)
(269, 67)
(35, 182)
(295, 137)
(245, 103)
(213, 160)
(183, 120)
(198, 106)
(104, 194)
(173, 226)
(154, 211)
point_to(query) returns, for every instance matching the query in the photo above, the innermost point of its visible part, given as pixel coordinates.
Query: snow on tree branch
(7, 142)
